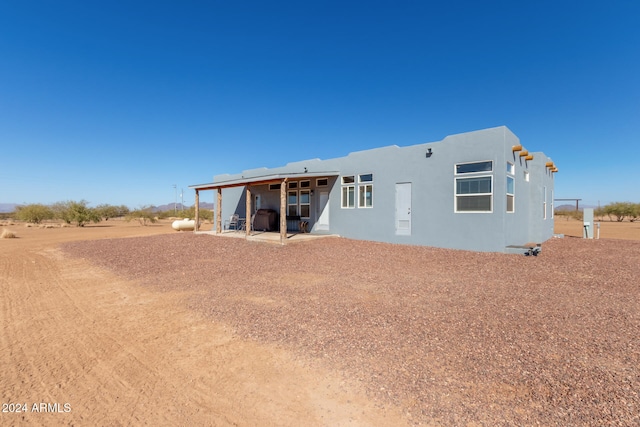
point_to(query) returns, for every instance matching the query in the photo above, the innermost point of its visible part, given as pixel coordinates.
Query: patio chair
(233, 223)
(243, 226)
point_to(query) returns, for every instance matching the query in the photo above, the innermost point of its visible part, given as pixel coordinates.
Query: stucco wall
(434, 221)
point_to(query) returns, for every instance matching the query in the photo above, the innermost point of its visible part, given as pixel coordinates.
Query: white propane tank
(184, 224)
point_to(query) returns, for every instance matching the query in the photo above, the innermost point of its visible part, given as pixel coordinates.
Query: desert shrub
(106, 211)
(143, 215)
(622, 210)
(77, 213)
(8, 234)
(34, 213)
(204, 214)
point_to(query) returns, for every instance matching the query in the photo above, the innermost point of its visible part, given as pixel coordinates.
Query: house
(480, 191)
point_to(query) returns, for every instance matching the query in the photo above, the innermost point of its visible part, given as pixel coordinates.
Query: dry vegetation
(8, 234)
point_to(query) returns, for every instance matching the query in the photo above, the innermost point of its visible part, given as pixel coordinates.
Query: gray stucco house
(480, 191)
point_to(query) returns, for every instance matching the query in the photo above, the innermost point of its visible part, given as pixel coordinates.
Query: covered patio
(248, 183)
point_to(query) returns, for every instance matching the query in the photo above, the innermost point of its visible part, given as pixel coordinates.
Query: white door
(323, 220)
(403, 209)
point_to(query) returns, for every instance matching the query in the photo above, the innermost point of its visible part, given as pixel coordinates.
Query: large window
(348, 192)
(474, 191)
(365, 190)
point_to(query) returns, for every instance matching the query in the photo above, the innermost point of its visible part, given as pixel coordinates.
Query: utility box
(588, 228)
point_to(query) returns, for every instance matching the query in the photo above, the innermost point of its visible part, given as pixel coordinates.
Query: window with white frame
(274, 187)
(293, 184)
(365, 190)
(305, 184)
(544, 203)
(348, 192)
(511, 183)
(511, 194)
(292, 203)
(474, 189)
(322, 182)
(305, 203)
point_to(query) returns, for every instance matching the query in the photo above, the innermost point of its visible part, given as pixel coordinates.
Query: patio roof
(262, 179)
(248, 182)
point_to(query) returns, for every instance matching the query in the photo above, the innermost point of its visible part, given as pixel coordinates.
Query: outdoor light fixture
(429, 152)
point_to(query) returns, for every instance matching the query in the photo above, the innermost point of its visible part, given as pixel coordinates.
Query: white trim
(456, 195)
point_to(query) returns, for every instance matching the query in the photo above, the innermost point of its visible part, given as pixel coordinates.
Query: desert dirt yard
(119, 324)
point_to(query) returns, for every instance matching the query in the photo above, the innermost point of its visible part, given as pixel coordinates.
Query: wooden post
(283, 211)
(247, 219)
(219, 212)
(197, 225)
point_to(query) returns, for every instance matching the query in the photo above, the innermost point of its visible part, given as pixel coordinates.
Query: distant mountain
(179, 207)
(572, 207)
(7, 207)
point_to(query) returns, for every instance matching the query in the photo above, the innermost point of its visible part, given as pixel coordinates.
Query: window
(305, 203)
(486, 166)
(511, 168)
(292, 203)
(348, 192)
(526, 176)
(273, 187)
(322, 182)
(293, 184)
(510, 194)
(474, 194)
(365, 190)
(544, 203)
(305, 184)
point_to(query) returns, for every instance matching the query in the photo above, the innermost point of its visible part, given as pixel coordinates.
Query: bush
(34, 213)
(204, 214)
(622, 210)
(106, 211)
(8, 234)
(143, 215)
(77, 213)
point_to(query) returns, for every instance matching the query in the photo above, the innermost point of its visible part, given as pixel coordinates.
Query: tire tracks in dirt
(118, 354)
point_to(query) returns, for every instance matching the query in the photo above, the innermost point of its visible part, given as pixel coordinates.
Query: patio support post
(247, 214)
(197, 225)
(219, 212)
(283, 211)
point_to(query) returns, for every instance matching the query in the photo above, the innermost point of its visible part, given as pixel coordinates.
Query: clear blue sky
(117, 101)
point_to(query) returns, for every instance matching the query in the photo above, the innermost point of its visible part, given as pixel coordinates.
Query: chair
(243, 226)
(233, 223)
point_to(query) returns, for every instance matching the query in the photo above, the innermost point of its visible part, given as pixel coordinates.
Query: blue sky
(115, 102)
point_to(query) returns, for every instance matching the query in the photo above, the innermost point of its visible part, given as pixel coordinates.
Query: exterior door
(323, 220)
(403, 209)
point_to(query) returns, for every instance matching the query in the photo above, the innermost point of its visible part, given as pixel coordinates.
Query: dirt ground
(82, 345)
(608, 229)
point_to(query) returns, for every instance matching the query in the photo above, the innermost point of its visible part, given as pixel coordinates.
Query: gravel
(453, 337)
